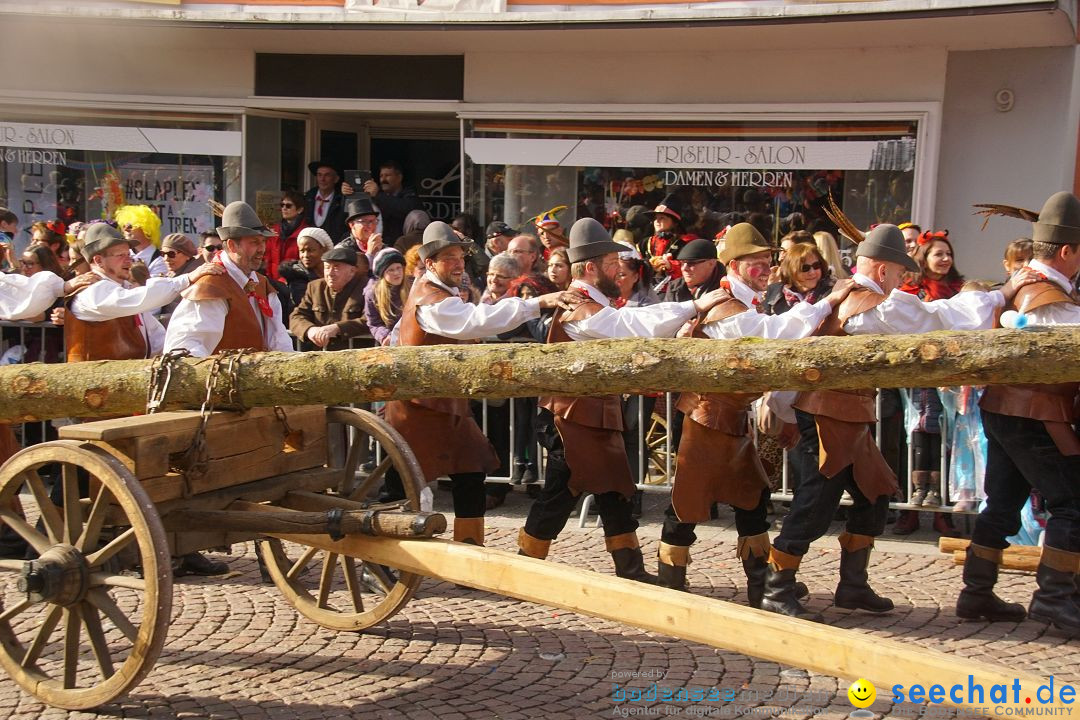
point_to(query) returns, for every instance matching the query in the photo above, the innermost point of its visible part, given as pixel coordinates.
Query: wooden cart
(89, 616)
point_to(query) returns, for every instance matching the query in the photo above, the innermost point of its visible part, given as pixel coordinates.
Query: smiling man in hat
(113, 319)
(441, 431)
(1032, 443)
(584, 436)
(717, 459)
(362, 218)
(236, 308)
(836, 449)
(325, 205)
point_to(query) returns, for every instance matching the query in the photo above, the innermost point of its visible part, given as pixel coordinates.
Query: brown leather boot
(532, 546)
(469, 530)
(671, 565)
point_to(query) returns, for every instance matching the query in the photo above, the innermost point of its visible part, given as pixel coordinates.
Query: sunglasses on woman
(812, 266)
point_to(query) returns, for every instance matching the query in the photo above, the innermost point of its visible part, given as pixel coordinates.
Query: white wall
(1019, 157)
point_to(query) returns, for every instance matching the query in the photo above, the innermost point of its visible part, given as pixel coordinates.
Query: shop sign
(179, 194)
(729, 178)
(41, 137)
(894, 154)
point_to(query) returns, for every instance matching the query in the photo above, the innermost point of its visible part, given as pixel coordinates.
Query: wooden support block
(951, 545)
(1009, 560)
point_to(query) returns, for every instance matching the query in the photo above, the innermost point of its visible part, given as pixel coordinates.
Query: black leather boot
(630, 564)
(779, 595)
(756, 567)
(671, 576)
(853, 591)
(977, 600)
(1055, 600)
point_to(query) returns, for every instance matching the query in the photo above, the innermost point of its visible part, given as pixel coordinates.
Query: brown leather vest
(118, 339)
(847, 405)
(1049, 403)
(598, 412)
(425, 292)
(726, 412)
(243, 328)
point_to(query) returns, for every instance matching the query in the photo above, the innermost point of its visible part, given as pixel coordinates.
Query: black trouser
(747, 523)
(467, 490)
(816, 499)
(1020, 456)
(926, 451)
(549, 513)
(525, 431)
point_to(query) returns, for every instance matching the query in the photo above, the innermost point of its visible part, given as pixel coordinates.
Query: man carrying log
(1031, 443)
(834, 426)
(234, 307)
(586, 452)
(441, 431)
(717, 460)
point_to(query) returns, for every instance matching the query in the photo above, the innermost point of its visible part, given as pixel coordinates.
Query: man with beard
(237, 308)
(586, 451)
(836, 450)
(393, 199)
(717, 459)
(441, 431)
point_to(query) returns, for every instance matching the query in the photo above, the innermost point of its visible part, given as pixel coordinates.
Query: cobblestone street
(236, 649)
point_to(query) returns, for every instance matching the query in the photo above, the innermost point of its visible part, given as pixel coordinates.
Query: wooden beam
(846, 654)
(951, 545)
(600, 367)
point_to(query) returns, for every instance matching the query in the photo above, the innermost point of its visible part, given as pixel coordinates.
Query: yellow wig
(140, 216)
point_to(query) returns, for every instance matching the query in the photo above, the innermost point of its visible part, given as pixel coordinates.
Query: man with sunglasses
(717, 459)
(209, 245)
(181, 257)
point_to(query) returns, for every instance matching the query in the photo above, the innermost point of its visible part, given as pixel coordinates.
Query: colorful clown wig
(142, 217)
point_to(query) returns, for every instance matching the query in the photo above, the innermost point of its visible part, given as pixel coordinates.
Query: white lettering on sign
(38, 157)
(729, 178)
(125, 139)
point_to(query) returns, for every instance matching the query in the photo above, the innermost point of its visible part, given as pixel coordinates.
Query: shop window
(775, 174)
(83, 171)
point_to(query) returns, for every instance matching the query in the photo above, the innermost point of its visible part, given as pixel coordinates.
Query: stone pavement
(236, 649)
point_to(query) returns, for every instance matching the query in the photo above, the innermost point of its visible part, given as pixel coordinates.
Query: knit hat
(318, 235)
(384, 259)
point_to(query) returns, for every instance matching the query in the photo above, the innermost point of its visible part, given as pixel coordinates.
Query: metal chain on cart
(192, 463)
(161, 374)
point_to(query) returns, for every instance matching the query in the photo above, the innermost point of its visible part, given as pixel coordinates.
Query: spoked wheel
(656, 441)
(337, 591)
(85, 621)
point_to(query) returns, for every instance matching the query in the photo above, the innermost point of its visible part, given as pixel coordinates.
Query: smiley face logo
(861, 693)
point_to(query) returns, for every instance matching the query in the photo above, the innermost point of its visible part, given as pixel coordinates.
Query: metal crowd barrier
(655, 455)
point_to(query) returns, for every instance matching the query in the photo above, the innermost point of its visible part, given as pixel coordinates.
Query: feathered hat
(1058, 223)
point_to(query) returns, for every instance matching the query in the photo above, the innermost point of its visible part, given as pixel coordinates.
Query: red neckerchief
(249, 288)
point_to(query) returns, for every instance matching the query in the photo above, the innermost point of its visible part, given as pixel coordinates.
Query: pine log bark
(118, 387)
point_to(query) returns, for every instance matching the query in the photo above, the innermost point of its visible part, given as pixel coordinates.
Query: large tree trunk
(118, 387)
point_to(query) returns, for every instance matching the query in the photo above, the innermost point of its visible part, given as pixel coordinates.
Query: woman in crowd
(37, 258)
(558, 268)
(414, 269)
(830, 253)
(311, 243)
(804, 275)
(938, 279)
(283, 247)
(384, 299)
(634, 281)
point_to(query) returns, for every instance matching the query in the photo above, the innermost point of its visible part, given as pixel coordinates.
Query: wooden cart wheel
(656, 442)
(337, 591)
(79, 626)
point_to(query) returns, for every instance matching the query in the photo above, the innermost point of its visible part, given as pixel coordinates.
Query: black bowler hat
(359, 206)
(589, 239)
(700, 249)
(313, 167)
